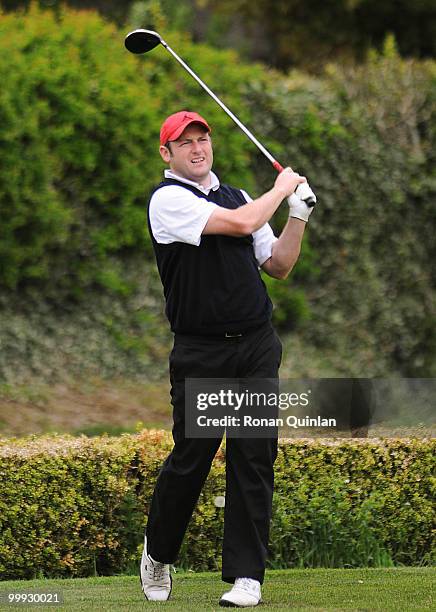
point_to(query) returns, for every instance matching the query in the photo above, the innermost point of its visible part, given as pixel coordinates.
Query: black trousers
(249, 462)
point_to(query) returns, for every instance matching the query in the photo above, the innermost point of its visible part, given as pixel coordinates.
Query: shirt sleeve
(178, 215)
(263, 239)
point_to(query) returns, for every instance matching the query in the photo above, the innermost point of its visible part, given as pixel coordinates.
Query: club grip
(277, 166)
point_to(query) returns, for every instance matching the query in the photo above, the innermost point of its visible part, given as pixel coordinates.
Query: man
(210, 240)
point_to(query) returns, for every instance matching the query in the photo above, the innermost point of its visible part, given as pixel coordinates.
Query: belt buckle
(227, 335)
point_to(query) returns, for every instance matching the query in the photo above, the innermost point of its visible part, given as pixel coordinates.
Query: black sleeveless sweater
(215, 287)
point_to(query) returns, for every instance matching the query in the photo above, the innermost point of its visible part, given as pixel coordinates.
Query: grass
(310, 589)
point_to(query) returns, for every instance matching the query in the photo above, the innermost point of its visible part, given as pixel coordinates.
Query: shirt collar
(214, 181)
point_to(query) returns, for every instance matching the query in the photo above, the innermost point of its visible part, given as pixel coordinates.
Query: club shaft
(246, 131)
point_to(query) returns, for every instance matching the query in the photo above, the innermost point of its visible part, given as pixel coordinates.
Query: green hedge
(77, 506)
(365, 136)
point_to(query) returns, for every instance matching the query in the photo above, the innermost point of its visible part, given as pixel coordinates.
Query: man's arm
(251, 216)
(285, 250)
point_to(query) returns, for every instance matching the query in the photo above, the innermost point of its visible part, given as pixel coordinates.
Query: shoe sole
(225, 603)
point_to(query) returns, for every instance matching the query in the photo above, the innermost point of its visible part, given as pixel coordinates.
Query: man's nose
(196, 146)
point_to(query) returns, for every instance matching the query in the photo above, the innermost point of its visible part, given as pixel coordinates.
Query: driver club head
(141, 41)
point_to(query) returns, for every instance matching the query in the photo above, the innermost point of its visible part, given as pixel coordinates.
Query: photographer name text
(249, 421)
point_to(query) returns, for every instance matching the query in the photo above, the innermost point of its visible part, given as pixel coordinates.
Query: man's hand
(298, 209)
(305, 193)
(287, 181)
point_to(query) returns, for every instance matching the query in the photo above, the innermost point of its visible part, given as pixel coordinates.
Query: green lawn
(398, 590)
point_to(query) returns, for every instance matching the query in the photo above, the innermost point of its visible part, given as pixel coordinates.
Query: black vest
(215, 287)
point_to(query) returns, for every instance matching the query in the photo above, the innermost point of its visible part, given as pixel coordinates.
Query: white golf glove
(297, 205)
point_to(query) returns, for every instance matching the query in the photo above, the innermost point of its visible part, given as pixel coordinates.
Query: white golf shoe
(244, 594)
(155, 577)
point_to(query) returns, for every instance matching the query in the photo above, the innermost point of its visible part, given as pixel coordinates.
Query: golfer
(210, 240)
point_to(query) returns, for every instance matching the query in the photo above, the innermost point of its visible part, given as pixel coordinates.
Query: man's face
(191, 155)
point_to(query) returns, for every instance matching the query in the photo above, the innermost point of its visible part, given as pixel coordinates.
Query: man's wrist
(292, 216)
(279, 193)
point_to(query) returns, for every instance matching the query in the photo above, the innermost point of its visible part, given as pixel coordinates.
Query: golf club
(141, 41)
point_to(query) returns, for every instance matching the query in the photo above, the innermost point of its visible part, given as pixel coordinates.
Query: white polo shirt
(178, 215)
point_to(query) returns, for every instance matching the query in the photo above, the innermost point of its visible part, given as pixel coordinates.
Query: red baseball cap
(174, 125)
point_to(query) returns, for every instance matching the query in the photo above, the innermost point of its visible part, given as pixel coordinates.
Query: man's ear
(165, 154)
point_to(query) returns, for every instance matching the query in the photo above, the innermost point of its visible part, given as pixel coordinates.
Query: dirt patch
(92, 407)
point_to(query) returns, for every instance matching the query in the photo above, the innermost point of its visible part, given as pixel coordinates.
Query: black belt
(233, 335)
